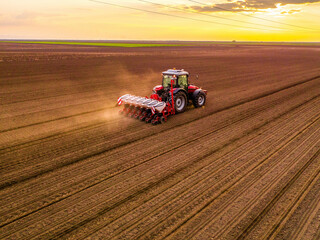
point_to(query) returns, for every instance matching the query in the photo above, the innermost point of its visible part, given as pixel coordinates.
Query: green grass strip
(208, 43)
(101, 44)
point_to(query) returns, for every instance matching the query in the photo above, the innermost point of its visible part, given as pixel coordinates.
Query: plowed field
(246, 166)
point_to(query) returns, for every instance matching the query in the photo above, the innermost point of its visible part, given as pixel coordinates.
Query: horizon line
(153, 40)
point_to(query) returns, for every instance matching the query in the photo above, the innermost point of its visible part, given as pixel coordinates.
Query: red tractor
(167, 99)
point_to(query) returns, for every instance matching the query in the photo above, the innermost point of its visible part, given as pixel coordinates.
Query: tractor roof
(175, 72)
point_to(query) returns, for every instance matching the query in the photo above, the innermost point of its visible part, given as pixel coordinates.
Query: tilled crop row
(301, 220)
(278, 209)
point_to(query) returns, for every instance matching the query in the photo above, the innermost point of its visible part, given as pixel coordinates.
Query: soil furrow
(271, 204)
(56, 119)
(310, 219)
(309, 212)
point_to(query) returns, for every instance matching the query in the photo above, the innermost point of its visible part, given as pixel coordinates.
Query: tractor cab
(180, 78)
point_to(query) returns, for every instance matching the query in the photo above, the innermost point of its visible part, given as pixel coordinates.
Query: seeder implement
(143, 108)
(167, 99)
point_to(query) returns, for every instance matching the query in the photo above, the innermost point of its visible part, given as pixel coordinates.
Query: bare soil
(246, 166)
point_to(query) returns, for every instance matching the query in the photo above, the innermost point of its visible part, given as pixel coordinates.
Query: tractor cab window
(183, 81)
(166, 81)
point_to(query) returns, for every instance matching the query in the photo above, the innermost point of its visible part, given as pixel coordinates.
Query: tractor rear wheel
(180, 102)
(199, 100)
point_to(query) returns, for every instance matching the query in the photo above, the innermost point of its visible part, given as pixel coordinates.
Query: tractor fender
(196, 92)
(176, 90)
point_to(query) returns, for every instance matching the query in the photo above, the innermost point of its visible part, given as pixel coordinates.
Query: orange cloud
(247, 5)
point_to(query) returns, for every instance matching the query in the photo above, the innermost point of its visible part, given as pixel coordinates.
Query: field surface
(246, 166)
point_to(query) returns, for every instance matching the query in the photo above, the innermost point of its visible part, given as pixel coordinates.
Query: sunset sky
(203, 20)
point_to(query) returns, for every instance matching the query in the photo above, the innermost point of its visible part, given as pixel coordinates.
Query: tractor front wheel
(199, 100)
(180, 102)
